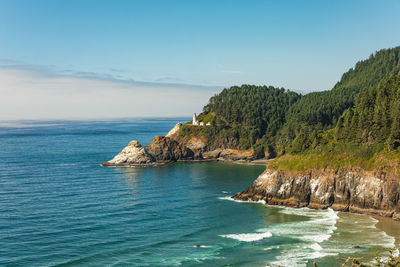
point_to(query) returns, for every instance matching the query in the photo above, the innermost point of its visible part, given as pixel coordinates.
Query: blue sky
(300, 45)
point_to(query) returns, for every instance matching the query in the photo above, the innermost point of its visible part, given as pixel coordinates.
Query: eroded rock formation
(133, 154)
(165, 149)
(353, 190)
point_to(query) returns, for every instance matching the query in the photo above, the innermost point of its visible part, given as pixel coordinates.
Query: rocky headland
(353, 190)
(173, 148)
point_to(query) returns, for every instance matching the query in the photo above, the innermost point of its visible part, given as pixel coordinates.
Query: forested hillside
(321, 110)
(363, 107)
(375, 118)
(366, 135)
(244, 117)
(259, 108)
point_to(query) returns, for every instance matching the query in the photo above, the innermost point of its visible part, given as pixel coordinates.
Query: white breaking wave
(242, 201)
(315, 234)
(269, 248)
(319, 228)
(249, 237)
(299, 257)
(320, 239)
(316, 247)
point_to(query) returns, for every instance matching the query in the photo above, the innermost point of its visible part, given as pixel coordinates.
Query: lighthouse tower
(195, 121)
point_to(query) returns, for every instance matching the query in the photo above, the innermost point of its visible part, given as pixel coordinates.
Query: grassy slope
(388, 161)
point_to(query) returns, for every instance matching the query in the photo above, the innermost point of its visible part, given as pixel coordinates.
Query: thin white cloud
(231, 71)
(29, 93)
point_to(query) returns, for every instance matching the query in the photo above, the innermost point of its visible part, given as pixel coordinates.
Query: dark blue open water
(59, 207)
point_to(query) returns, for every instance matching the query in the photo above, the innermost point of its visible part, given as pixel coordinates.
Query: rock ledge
(353, 190)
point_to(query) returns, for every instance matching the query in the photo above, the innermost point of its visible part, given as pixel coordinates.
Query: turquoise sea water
(59, 207)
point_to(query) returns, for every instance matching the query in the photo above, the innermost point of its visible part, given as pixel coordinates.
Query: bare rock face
(234, 154)
(165, 149)
(174, 132)
(345, 190)
(133, 154)
(213, 154)
(197, 143)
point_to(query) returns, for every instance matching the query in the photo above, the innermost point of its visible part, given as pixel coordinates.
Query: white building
(195, 121)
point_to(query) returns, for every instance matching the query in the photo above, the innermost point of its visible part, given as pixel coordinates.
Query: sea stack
(132, 155)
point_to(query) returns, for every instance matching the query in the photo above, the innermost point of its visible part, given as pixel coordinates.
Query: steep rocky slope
(352, 190)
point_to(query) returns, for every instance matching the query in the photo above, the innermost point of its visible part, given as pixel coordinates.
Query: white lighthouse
(195, 121)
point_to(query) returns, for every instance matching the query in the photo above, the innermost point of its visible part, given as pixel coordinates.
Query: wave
(242, 201)
(299, 257)
(316, 247)
(315, 234)
(320, 239)
(251, 237)
(318, 228)
(312, 233)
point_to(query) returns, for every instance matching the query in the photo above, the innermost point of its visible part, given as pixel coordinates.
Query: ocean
(60, 207)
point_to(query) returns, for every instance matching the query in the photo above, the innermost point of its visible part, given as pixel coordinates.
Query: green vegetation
(357, 123)
(383, 160)
(206, 117)
(366, 135)
(244, 117)
(375, 118)
(261, 109)
(321, 110)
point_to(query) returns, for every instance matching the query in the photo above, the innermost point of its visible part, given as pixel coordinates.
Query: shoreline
(258, 162)
(353, 190)
(390, 226)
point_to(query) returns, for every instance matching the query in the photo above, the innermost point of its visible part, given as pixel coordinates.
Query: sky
(75, 59)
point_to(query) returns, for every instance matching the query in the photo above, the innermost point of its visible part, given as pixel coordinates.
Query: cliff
(173, 148)
(353, 190)
(357, 123)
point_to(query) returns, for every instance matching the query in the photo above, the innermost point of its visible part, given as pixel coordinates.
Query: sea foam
(312, 233)
(242, 201)
(251, 237)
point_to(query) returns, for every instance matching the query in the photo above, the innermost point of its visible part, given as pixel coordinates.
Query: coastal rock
(174, 132)
(165, 149)
(133, 154)
(197, 143)
(172, 148)
(213, 154)
(353, 190)
(233, 154)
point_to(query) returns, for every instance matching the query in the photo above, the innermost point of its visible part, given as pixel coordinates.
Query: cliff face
(344, 190)
(171, 148)
(165, 149)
